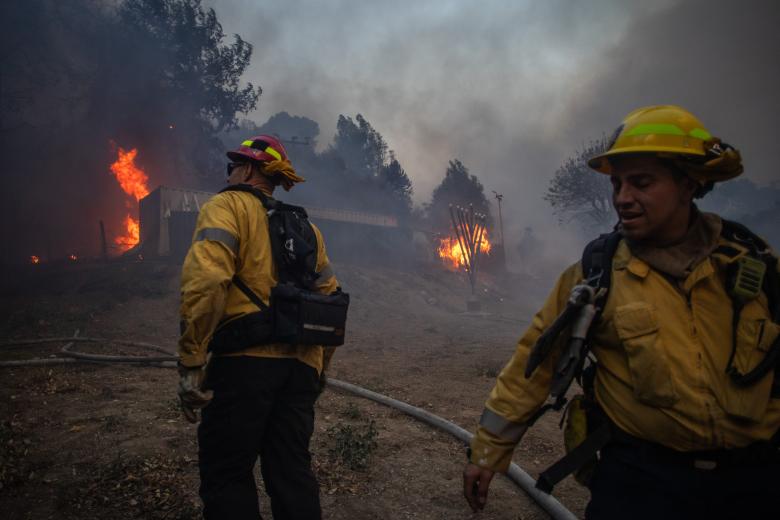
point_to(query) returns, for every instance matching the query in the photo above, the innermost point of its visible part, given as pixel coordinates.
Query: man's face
(653, 204)
(238, 173)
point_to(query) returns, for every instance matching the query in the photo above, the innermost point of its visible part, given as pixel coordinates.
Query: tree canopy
(363, 149)
(576, 192)
(156, 75)
(368, 174)
(459, 188)
(392, 177)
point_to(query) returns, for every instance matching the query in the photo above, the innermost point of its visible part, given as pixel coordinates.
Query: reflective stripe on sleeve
(327, 273)
(501, 427)
(219, 235)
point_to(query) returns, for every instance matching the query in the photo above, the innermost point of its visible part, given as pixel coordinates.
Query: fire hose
(515, 473)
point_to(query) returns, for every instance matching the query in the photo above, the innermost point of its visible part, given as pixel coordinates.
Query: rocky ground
(97, 441)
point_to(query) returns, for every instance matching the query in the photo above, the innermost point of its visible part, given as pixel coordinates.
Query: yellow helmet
(672, 132)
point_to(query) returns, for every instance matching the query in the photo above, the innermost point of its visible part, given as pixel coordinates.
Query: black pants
(262, 407)
(631, 483)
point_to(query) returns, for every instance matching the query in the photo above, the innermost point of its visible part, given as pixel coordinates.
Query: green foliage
(352, 411)
(353, 445)
(393, 178)
(192, 64)
(290, 128)
(459, 188)
(576, 192)
(358, 171)
(156, 75)
(362, 148)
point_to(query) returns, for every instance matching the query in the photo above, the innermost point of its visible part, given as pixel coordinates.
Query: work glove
(191, 392)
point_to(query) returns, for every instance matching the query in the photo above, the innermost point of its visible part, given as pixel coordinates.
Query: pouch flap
(635, 319)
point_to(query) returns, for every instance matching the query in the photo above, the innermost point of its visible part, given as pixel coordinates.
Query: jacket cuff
(489, 452)
(190, 360)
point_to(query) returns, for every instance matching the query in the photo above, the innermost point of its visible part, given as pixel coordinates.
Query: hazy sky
(512, 88)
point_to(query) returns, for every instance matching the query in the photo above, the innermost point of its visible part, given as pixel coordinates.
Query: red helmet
(261, 148)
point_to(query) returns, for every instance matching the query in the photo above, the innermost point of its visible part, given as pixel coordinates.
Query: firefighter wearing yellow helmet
(671, 324)
(261, 313)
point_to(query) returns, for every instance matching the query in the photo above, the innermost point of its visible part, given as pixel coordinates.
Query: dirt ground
(98, 441)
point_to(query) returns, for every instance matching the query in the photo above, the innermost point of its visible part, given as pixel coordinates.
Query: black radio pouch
(303, 317)
(296, 313)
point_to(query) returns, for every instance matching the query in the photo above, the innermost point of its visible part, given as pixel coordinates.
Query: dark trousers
(261, 407)
(632, 483)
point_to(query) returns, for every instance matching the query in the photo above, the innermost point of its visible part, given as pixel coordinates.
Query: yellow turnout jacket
(662, 351)
(231, 237)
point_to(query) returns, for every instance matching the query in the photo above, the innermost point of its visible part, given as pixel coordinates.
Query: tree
(739, 197)
(458, 188)
(394, 179)
(293, 128)
(173, 55)
(191, 60)
(578, 192)
(157, 75)
(363, 149)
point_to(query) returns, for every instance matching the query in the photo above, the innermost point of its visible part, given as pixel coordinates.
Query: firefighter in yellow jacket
(686, 350)
(258, 397)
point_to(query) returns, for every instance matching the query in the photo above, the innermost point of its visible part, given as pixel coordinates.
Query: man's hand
(476, 482)
(191, 393)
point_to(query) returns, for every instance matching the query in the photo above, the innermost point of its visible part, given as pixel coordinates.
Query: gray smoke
(513, 88)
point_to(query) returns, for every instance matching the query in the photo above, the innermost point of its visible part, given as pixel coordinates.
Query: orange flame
(131, 178)
(453, 255)
(73, 258)
(34, 259)
(132, 234)
(133, 181)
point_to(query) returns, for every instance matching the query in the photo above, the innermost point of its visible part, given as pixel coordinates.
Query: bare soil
(99, 441)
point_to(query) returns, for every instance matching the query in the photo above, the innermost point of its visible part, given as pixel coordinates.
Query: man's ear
(689, 189)
(248, 170)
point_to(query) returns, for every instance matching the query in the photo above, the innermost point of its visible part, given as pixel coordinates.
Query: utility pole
(499, 198)
(294, 140)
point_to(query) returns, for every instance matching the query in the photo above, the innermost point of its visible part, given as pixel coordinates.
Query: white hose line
(168, 361)
(117, 359)
(38, 361)
(516, 474)
(39, 341)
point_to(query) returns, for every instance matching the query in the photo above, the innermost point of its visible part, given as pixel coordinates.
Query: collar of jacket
(721, 254)
(682, 259)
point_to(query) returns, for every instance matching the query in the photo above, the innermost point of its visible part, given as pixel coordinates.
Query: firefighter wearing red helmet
(267, 154)
(255, 386)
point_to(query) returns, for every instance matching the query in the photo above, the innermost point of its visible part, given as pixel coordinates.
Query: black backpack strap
(741, 234)
(268, 203)
(597, 260)
(760, 250)
(575, 459)
(597, 270)
(279, 234)
(244, 288)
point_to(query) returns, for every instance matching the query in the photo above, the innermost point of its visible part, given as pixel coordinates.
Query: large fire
(133, 181)
(451, 252)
